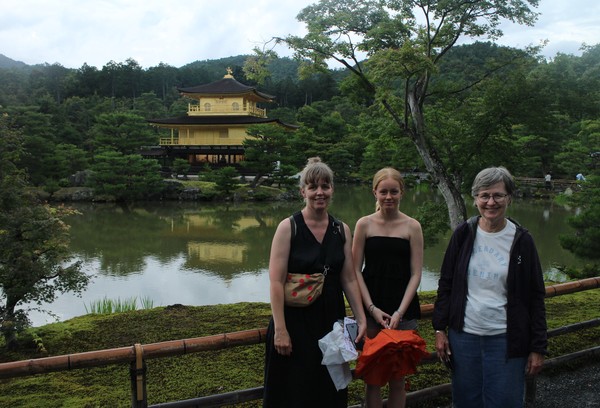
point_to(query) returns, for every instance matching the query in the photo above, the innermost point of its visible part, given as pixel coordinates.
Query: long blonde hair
(383, 174)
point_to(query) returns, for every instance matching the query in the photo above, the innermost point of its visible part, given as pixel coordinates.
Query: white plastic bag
(337, 352)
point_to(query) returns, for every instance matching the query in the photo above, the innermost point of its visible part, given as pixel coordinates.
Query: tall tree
(35, 263)
(405, 41)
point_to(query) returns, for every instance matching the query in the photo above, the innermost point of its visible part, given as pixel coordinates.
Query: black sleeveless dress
(300, 380)
(387, 272)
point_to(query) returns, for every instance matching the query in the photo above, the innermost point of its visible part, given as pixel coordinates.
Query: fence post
(137, 370)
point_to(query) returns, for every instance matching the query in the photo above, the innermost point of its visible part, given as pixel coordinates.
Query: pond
(217, 253)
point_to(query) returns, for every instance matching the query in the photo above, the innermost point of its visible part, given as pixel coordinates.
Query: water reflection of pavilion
(208, 252)
(221, 246)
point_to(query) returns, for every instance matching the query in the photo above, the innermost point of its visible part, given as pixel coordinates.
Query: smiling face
(388, 194)
(317, 195)
(493, 210)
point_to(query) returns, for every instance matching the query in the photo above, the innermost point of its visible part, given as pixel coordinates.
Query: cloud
(177, 32)
(565, 25)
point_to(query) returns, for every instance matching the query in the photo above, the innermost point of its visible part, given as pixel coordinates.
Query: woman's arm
(416, 271)
(358, 254)
(278, 261)
(537, 305)
(351, 287)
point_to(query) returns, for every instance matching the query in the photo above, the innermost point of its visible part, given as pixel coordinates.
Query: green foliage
(206, 173)
(256, 66)
(283, 176)
(181, 166)
(125, 177)
(573, 159)
(266, 146)
(225, 180)
(148, 106)
(384, 147)
(585, 241)
(433, 218)
(11, 150)
(329, 131)
(67, 160)
(482, 103)
(35, 261)
(122, 132)
(405, 51)
(108, 306)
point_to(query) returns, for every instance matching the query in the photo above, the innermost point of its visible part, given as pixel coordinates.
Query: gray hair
(314, 171)
(490, 176)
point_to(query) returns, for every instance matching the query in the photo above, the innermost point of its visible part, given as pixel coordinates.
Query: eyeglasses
(497, 197)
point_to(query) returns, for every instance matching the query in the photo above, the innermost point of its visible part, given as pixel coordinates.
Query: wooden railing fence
(137, 355)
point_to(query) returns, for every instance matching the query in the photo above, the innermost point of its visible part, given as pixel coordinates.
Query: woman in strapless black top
(387, 251)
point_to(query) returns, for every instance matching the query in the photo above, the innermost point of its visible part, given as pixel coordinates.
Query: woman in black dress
(390, 243)
(294, 375)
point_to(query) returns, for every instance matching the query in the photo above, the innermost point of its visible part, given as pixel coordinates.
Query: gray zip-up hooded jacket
(526, 312)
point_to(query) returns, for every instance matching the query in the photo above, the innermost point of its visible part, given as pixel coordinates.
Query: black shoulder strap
(340, 226)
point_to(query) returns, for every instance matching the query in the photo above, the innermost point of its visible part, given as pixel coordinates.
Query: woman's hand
(283, 343)
(395, 320)
(535, 362)
(442, 346)
(381, 317)
(362, 331)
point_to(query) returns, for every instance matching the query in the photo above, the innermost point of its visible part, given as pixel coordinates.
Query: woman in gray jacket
(490, 301)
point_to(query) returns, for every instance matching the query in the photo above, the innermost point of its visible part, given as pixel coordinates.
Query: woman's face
(317, 195)
(388, 194)
(492, 202)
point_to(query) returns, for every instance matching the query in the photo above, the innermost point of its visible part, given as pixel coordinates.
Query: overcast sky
(177, 32)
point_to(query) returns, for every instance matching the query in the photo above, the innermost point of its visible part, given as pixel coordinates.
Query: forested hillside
(526, 113)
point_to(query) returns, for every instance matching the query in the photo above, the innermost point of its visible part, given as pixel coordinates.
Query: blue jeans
(483, 376)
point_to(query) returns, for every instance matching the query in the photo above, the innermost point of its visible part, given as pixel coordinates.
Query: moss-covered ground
(207, 373)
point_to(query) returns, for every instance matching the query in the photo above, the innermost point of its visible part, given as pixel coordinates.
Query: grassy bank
(206, 373)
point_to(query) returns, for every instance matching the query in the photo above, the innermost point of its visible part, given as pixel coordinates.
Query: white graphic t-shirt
(485, 313)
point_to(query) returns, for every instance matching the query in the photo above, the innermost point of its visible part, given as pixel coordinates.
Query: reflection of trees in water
(119, 237)
(224, 240)
(228, 239)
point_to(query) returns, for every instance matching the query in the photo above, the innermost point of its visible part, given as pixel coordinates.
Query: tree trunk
(257, 180)
(457, 211)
